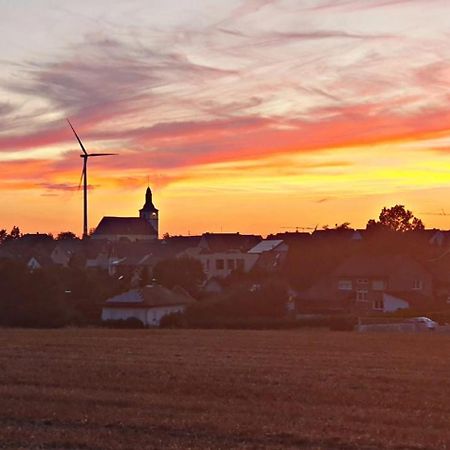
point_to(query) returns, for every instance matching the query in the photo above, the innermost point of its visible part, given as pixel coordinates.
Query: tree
(67, 236)
(3, 235)
(396, 218)
(15, 233)
(184, 272)
(343, 226)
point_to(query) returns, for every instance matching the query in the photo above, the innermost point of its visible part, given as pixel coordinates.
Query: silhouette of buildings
(142, 228)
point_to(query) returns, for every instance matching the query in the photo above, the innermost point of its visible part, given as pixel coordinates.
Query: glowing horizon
(252, 116)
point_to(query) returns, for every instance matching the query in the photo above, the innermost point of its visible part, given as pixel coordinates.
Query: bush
(124, 323)
(174, 320)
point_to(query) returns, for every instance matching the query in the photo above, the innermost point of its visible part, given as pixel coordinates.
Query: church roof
(125, 226)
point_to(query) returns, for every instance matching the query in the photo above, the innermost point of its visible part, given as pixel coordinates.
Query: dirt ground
(140, 389)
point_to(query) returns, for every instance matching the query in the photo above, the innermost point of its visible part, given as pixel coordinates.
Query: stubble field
(123, 389)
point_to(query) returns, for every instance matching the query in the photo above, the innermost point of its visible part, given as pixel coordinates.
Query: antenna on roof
(297, 228)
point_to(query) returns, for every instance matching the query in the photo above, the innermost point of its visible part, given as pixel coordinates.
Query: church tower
(149, 212)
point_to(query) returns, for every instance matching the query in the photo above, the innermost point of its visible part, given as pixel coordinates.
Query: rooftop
(124, 225)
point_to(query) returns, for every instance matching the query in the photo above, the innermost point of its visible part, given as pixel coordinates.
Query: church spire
(148, 211)
(148, 196)
(149, 206)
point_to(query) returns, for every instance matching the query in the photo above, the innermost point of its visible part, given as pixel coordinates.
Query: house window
(378, 285)
(345, 285)
(207, 265)
(378, 305)
(417, 284)
(361, 295)
(230, 264)
(220, 264)
(362, 281)
(240, 264)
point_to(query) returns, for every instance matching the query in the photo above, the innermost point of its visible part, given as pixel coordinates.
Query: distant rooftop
(124, 225)
(266, 246)
(151, 296)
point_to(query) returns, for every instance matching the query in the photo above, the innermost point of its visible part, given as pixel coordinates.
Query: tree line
(16, 234)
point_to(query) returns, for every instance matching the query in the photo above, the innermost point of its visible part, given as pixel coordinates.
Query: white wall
(124, 313)
(148, 316)
(392, 303)
(209, 262)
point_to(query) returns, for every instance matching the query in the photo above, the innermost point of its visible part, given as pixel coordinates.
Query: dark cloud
(6, 109)
(105, 79)
(63, 187)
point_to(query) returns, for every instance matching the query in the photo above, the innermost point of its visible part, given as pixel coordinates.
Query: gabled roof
(124, 226)
(376, 265)
(150, 296)
(42, 260)
(178, 244)
(343, 234)
(266, 246)
(220, 242)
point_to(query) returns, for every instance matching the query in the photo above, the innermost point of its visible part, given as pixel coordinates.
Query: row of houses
(361, 283)
(220, 254)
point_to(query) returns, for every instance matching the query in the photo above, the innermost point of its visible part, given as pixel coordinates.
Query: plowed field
(126, 389)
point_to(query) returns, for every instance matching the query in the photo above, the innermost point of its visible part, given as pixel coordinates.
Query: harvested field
(139, 389)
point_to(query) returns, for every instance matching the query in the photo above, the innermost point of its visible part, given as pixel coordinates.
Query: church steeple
(148, 211)
(149, 206)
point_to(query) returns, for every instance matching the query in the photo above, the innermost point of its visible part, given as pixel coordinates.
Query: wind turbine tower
(85, 155)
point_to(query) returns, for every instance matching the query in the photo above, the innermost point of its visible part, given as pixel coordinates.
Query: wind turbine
(85, 155)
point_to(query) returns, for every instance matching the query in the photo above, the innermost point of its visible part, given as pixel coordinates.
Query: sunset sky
(245, 115)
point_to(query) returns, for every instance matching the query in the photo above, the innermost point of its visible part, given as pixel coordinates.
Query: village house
(148, 304)
(62, 253)
(371, 284)
(223, 253)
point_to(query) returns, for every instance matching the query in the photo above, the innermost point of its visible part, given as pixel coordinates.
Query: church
(142, 228)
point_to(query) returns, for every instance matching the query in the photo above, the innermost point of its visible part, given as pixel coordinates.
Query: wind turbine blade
(81, 179)
(78, 139)
(102, 154)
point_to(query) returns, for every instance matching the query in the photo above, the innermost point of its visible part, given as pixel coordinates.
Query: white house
(221, 264)
(149, 304)
(223, 253)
